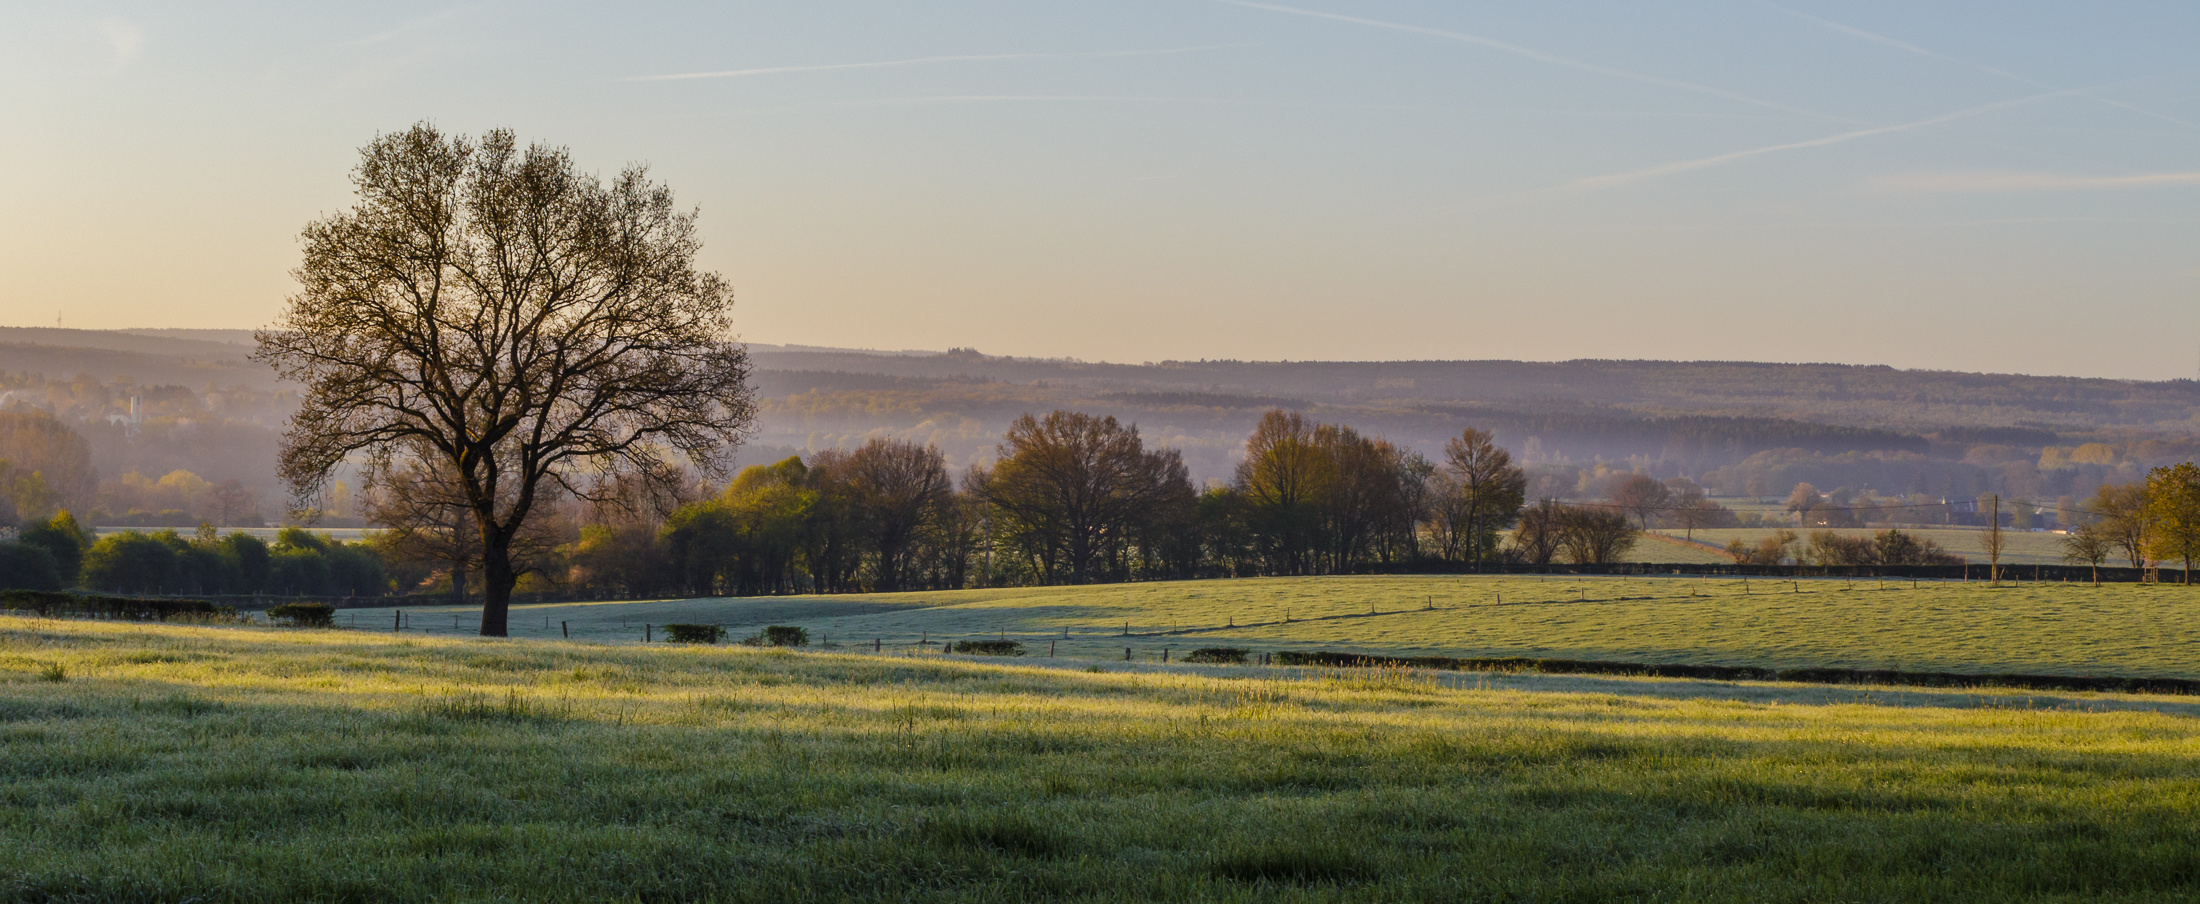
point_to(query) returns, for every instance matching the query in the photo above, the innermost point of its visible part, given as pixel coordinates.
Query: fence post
(1050, 649)
(397, 621)
(1164, 654)
(1126, 654)
(645, 632)
(877, 644)
(565, 629)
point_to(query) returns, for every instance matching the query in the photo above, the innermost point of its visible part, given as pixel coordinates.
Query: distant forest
(200, 444)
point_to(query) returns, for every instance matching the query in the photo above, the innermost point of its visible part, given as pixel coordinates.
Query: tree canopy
(529, 329)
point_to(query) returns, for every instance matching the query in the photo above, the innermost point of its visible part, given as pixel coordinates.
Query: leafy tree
(1804, 498)
(27, 567)
(297, 571)
(1285, 478)
(251, 557)
(49, 465)
(130, 562)
(63, 539)
(521, 325)
(1893, 547)
(2173, 509)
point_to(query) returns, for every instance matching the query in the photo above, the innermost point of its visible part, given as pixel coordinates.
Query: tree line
(1075, 498)
(60, 553)
(2144, 523)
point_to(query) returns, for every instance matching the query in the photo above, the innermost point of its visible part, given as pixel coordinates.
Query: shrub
(1225, 655)
(779, 636)
(303, 615)
(694, 633)
(989, 647)
(49, 605)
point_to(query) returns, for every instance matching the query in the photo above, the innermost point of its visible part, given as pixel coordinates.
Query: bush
(1221, 655)
(779, 636)
(50, 605)
(694, 633)
(303, 615)
(989, 647)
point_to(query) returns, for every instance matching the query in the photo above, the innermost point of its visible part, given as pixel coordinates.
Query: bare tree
(233, 505)
(898, 489)
(1642, 496)
(1071, 484)
(2123, 513)
(1481, 496)
(2090, 544)
(1596, 536)
(1693, 511)
(428, 520)
(1771, 550)
(530, 327)
(1994, 542)
(1542, 531)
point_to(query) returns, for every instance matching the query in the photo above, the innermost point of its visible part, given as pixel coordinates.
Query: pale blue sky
(1990, 186)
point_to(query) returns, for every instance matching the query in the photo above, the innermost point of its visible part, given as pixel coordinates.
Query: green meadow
(2046, 628)
(174, 763)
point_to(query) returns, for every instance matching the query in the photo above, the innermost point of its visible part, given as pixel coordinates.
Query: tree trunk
(497, 581)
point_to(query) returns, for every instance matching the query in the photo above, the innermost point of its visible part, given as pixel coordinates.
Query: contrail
(2006, 182)
(918, 61)
(1877, 38)
(1538, 56)
(1596, 182)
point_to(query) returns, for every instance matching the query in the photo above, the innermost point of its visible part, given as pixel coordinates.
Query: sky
(2003, 186)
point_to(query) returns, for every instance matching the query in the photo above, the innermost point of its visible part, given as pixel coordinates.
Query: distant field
(344, 534)
(2118, 629)
(217, 765)
(2023, 547)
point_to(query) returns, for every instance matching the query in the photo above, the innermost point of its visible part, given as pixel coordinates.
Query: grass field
(2047, 628)
(166, 763)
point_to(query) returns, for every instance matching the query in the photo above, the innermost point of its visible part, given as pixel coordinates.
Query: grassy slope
(2053, 628)
(249, 765)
